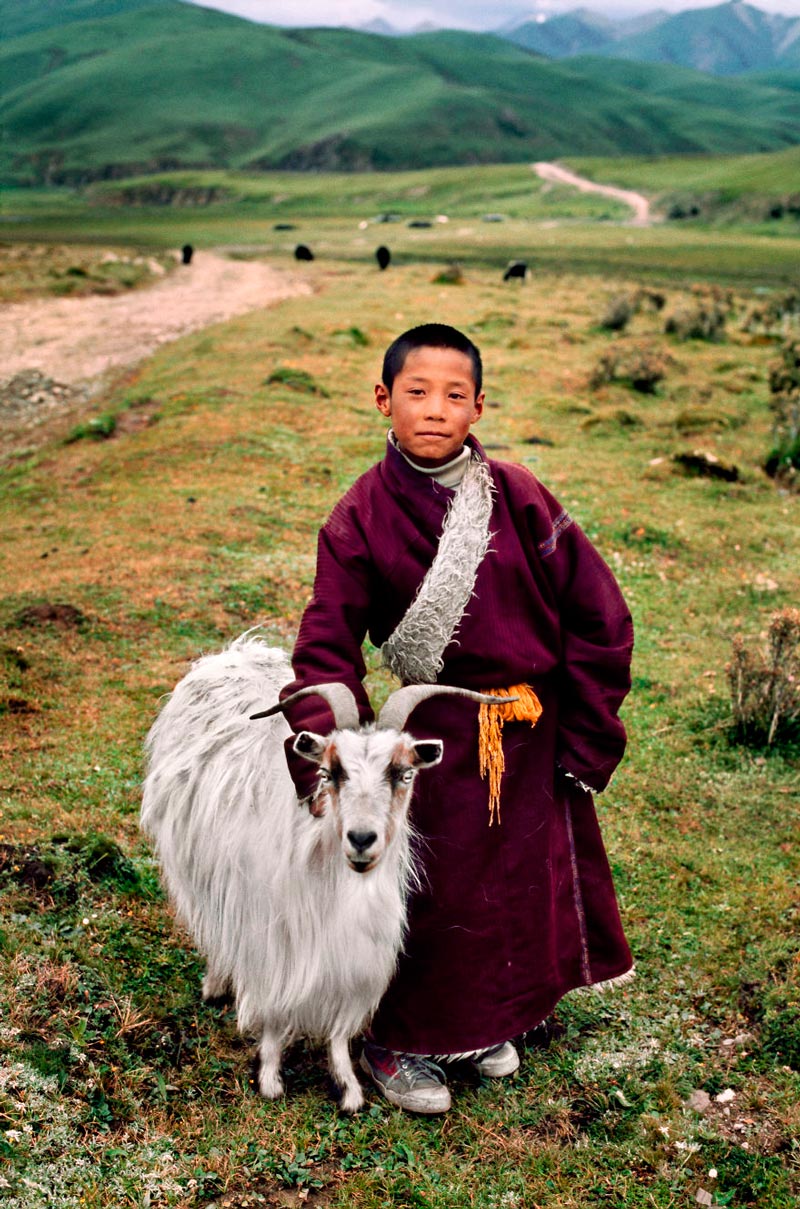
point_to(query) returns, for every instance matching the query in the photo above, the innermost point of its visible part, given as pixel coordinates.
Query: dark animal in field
(187, 252)
(302, 252)
(383, 257)
(283, 226)
(420, 222)
(516, 271)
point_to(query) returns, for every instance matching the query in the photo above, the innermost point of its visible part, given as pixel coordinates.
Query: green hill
(28, 16)
(744, 188)
(115, 87)
(769, 98)
(738, 175)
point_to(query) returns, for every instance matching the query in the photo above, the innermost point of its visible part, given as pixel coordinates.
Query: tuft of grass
(354, 335)
(99, 428)
(296, 379)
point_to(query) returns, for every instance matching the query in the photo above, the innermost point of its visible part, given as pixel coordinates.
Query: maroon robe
(511, 916)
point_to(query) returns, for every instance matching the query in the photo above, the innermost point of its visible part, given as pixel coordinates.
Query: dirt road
(562, 176)
(76, 340)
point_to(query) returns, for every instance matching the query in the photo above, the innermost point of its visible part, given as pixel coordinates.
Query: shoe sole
(401, 1100)
(498, 1070)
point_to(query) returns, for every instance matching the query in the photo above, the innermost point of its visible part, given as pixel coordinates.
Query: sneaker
(410, 1082)
(497, 1062)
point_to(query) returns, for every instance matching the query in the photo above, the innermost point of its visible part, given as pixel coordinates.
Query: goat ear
(310, 746)
(426, 752)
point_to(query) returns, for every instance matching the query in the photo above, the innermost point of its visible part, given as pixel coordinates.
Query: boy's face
(432, 404)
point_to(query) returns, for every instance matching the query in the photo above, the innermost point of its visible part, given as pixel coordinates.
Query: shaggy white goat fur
(300, 916)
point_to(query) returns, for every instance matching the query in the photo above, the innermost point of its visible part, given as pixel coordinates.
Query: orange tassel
(491, 719)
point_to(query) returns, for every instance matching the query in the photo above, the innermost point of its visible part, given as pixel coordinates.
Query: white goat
(299, 911)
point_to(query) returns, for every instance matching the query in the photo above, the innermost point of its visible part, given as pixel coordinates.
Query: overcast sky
(453, 14)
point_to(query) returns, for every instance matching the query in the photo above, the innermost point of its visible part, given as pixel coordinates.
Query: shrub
(784, 372)
(783, 462)
(452, 274)
(692, 420)
(702, 320)
(654, 300)
(638, 366)
(774, 316)
(619, 311)
(610, 419)
(296, 379)
(765, 684)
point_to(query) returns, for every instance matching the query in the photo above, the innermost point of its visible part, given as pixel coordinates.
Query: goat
(299, 909)
(383, 257)
(516, 269)
(303, 252)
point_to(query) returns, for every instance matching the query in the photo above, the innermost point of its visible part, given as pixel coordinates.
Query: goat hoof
(270, 1086)
(351, 1102)
(216, 991)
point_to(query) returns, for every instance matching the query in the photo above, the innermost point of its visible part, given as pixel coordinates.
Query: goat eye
(324, 776)
(407, 776)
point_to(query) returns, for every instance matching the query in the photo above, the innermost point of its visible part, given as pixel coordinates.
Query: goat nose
(362, 840)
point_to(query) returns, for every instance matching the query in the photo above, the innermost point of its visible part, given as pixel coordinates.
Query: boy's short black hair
(430, 335)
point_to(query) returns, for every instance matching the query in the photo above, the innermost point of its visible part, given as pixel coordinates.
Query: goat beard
(414, 652)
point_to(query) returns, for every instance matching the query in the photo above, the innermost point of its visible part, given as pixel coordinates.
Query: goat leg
(270, 1051)
(216, 985)
(341, 1067)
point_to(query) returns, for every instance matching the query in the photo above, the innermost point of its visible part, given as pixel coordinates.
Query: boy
(516, 905)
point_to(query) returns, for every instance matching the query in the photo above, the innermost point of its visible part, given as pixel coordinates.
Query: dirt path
(76, 340)
(562, 176)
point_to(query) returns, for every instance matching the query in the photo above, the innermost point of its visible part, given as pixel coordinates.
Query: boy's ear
(479, 407)
(383, 400)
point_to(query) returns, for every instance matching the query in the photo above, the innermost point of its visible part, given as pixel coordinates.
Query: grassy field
(733, 188)
(123, 558)
(555, 229)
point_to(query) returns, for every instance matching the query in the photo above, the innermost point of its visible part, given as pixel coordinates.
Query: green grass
(735, 188)
(31, 270)
(339, 216)
(172, 538)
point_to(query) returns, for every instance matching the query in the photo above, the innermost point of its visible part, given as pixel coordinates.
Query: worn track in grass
(76, 340)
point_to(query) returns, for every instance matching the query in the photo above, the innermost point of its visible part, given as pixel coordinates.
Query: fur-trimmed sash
(415, 650)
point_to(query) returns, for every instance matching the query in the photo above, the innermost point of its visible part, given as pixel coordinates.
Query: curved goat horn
(398, 707)
(338, 696)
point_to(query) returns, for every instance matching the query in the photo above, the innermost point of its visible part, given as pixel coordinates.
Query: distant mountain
(379, 26)
(576, 33)
(579, 32)
(727, 39)
(144, 87)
